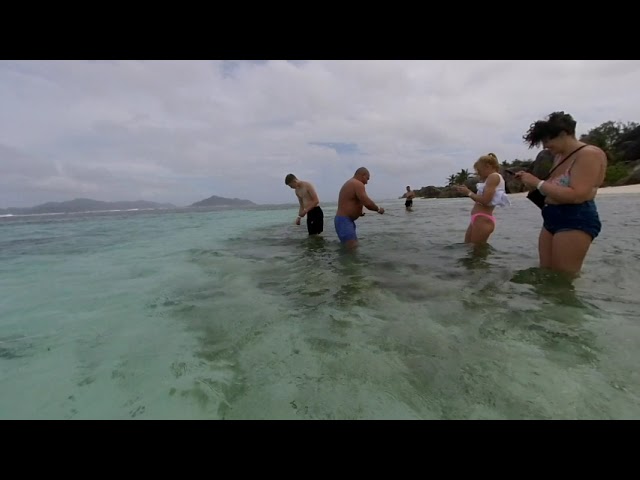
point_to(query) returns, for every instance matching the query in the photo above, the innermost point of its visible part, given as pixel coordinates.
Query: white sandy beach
(626, 189)
(618, 190)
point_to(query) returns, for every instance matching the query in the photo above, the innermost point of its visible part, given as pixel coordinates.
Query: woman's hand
(528, 179)
(463, 189)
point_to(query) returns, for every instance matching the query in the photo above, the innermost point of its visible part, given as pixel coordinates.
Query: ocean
(237, 314)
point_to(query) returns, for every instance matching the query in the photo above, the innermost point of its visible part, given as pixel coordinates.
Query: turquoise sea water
(236, 314)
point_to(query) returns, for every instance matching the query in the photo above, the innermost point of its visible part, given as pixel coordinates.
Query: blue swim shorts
(345, 228)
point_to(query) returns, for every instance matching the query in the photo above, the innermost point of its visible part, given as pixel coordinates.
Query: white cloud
(180, 131)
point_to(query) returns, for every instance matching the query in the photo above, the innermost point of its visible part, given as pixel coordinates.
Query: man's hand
(381, 210)
(298, 220)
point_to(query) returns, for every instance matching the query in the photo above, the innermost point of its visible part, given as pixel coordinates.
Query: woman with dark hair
(570, 216)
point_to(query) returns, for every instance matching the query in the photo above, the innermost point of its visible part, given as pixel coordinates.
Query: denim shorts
(581, 216)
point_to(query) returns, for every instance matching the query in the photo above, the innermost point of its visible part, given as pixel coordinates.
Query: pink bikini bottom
(476, 215)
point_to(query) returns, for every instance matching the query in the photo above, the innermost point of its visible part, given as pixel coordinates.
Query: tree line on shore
(620, 141)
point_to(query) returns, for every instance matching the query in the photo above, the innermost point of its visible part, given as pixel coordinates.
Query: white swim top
(500, 198)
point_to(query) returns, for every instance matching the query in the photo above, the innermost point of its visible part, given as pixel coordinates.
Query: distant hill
(84, 205)
(215, 201)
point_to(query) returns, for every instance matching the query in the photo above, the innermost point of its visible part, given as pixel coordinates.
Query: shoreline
(621, 190)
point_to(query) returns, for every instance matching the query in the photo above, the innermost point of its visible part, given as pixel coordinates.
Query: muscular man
(351, 199)
(309, 204)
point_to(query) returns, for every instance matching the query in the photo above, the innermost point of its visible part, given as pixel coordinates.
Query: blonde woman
(491, 193)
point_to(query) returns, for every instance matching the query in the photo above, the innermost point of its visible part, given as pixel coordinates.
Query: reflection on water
(550, 286)
(477, 256)
(447, 308)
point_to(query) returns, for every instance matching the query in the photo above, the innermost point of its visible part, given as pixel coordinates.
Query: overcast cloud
(181, 131)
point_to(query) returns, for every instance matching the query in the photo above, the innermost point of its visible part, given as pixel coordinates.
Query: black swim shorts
(315, 221)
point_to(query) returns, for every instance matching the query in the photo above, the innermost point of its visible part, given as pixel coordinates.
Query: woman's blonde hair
(490, 159)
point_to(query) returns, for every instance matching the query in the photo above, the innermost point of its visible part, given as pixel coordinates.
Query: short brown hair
(289, 178)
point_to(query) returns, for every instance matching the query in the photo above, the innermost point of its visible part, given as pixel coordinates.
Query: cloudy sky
(181, 131)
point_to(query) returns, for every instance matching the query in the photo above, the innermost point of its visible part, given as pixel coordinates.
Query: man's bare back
(353, 197)
(349, 203)
(306, 194)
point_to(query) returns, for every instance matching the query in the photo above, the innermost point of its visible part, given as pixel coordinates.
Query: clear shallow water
(237, 315)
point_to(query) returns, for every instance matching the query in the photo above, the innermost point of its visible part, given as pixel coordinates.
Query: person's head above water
(362, 174)
(291, 180)
(557, 133)
(408, 188)
(486, 165)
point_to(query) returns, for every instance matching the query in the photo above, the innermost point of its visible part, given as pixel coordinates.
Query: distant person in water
(351, 200)
(491, 193)
(409, 195)
(309, 204)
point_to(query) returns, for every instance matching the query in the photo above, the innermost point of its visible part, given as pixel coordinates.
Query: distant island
(215, 201)
(79, 205)
(84, 205)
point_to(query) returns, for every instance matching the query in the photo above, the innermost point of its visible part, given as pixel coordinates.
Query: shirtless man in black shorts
(309, 204)
(409, 195)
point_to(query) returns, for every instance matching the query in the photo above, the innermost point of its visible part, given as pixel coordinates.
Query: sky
(182, 131)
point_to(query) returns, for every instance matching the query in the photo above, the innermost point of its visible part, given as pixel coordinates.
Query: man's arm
(315, 201)
(361, 194)
(301, 209)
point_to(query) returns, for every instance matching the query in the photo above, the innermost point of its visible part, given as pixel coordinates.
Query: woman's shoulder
(595, 149)
(592, 151)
